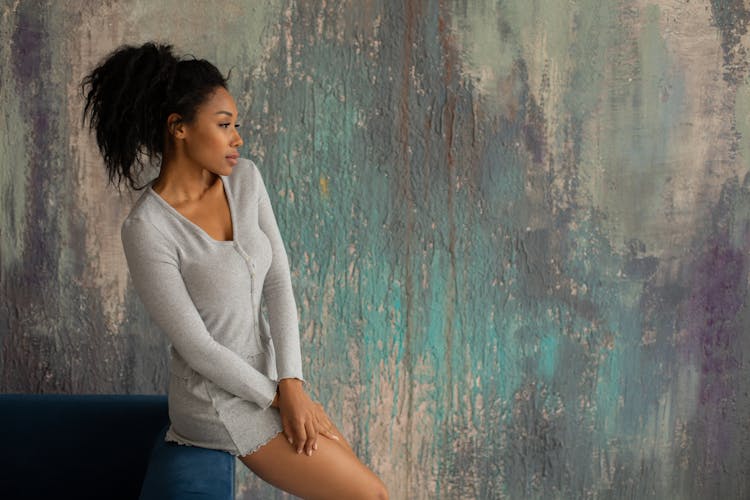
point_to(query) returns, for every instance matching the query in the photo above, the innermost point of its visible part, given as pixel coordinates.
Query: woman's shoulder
(245, 176)
(245, 168)
(142, 208)
(145, 217)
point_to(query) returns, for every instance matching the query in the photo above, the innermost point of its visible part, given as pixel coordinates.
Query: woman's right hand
(302, 418)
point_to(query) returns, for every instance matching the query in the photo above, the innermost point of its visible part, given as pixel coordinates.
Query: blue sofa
(102, 446)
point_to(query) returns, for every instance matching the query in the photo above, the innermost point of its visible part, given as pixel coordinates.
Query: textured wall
(518, 229)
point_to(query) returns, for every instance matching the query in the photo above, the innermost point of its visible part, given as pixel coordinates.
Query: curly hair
(129, 96)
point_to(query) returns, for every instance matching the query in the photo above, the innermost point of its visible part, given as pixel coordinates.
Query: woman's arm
(156, 277)
(302, 418)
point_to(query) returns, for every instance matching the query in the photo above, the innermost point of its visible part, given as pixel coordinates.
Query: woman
(203, 249)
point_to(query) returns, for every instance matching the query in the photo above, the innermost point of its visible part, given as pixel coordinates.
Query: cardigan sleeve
(278, 294)
(154, 270)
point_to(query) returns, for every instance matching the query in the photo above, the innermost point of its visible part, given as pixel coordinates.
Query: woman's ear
(176, 126)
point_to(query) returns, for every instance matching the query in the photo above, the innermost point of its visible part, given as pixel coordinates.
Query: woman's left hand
(301, 417)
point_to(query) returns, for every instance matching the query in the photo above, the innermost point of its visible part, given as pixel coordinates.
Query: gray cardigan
(205, 294)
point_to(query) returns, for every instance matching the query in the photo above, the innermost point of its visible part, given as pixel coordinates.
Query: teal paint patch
(548, 355)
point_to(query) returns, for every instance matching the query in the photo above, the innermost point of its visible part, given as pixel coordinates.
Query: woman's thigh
(333, 471)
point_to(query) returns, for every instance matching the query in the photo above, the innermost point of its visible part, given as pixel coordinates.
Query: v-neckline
(196, 228)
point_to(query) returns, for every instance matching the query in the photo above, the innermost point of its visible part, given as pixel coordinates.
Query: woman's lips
(232, 159)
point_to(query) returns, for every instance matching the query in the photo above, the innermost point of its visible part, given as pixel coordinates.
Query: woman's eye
(225, 125)
(236, 125)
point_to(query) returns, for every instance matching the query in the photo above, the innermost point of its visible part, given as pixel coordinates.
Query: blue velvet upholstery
(99, 446)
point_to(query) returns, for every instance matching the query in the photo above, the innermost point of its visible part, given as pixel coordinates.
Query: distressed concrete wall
(518, 229)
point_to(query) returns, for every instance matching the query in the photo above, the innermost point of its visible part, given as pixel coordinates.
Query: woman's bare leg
(332, 472)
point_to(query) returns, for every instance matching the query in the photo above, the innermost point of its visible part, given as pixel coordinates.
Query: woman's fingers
(325, 426)
(328, 429)
(329, 434)
(304, 421)
(317, 433)
(312, 436)
(287, 431)
(299, 434)
(302, 438)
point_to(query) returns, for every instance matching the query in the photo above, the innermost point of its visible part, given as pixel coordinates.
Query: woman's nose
(237, 139)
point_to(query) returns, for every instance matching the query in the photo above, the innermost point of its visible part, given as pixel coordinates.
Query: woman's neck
(180, 182)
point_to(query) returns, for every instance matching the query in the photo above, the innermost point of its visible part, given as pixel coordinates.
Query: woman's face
(211, 139)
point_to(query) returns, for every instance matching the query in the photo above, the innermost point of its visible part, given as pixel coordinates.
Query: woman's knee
(381, 493)
(372, 486)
